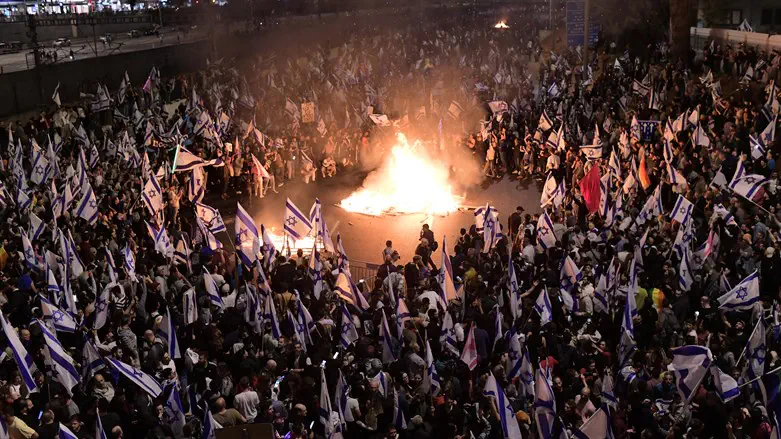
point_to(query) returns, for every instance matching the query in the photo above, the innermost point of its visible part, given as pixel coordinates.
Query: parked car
(61, 42)
(154, 30)
(134, 34)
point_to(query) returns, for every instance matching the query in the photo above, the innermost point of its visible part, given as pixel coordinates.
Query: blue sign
(576, 17)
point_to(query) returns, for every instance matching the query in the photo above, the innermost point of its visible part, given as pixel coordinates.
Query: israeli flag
(267, 248)
(690, 365)
(130, 262)
(431, 372)
(682, 210)
(66, 433)
(51, 282)
(684, 238)
(755, 352)
(445, 277)
(23, 360)
(211, 290)
(514, 357)
(552, 192)
(346, 289)
(320, 227)
(211, 217)
(168, 331)
(187, 161)
(40, 166)
(614, 164)
(340, 399)
(348, 334)
(30, 258)
(388, 354)
(447, 337)
(153, 196)
(270, 315)
(748, 185)
(247, 238)
(102, 305)
(88, 206)
(316, 272)
(685, 272)
(545, 235)
(592, 152)
(490, 228)
(569, 276)
(608, 395)
(296, 225)
(61, 320)
(208, 237)
(145, 381)
(100, 433)
(512, 286)
(189, 307)
(196, 187)
(64, 367)
(726, 385)
(399, 420)
(543, 307)
(652, 207)
(173, 410)
(743, 296)
(92, 360)
(545, 122)
(402, 314)
(507, 419)
(37, 226)
(325, 406)
(304, 320)
(545, 405)
(598, 426)
(342, 261)
(626, 347)
(630, 306)
(210, 426)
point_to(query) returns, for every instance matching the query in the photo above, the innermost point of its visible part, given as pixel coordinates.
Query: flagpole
(743, 352)
(760, 377)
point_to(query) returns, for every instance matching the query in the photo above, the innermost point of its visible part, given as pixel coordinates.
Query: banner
(308, 112)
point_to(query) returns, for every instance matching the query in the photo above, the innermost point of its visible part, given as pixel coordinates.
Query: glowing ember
(501, 25)
(409, 181)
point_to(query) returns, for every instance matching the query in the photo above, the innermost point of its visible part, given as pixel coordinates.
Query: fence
(701, 36)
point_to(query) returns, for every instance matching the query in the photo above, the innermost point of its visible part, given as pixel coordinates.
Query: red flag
(469, 356)
(589, 187)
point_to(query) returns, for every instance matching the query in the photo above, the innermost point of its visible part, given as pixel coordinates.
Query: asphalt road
(86, 48)
(364, 236)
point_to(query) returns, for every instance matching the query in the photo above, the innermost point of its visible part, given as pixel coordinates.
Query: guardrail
(701, 36)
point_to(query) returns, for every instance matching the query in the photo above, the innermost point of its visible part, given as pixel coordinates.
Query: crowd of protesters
(291, 341)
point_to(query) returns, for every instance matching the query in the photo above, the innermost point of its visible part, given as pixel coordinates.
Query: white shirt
(246, 403)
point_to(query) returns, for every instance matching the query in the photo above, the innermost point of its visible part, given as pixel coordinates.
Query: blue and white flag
(349, 334)
(552, 192)
(325, 406)
(386, 339)
(66, 433)
(270, 315)
(196, 187)
(748, 185)
(447, 337)
(545, 122)
(100, 433)
(40, 165)
(145, 381)
(682, 210)
(102, 305)
(346, 289)
(342, 261)
(761, 144)
(675, 175)
(110, 265)
(545, 234)
(61, 320)
(189, 307)
(513, 288)
(319, 226)
(211, 217)
(756, 351)
(37, 226)
(341, 395)
(130, 262)
(268, 249)
(173, 411)
(296, 224)
(514, 357)
(726, 385)
(51, 282)
(92, 360)
(30, 259)
(22, 199)
(210, 426)
(507, 419)
(63, 365)
(652, 207)
(88, 206)
(569, 276)
(543, 307)
(208, 237)
(598, 426)
(247, 237)
(684, 238)
(168, 331)
(211, 290)
(490, 228)
(445, 277)
(23, 359)
(686, 272)
(498, 332)
(186, 161)
(402, 315)
(608, 395)
(153, 196)
(690, 365)
(743, 296)
(592, 152)
(544, 405)
(316, 272)
(432, 377)
(626, 347)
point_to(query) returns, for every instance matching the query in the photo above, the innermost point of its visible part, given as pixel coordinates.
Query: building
(762, 15)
